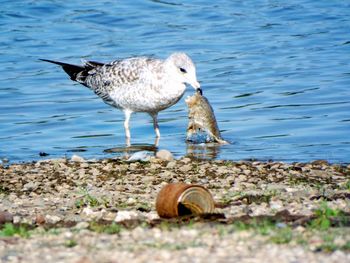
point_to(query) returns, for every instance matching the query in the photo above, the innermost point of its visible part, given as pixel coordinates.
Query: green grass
(282, 235)
(87, 199)
(346, 185)
(330, 244)
(262, 227)
(4, 190)
(265, 197)
(9, 230)
(334, 237)
(111, 229)
(143, 206)
(70, 243)
(174, 246)
(324, 214)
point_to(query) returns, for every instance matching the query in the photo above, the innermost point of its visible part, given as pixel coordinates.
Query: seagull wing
(119, 74)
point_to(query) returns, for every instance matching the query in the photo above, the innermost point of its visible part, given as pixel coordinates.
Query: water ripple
(276, 73)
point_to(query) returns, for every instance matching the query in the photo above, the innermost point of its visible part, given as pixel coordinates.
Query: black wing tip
(53, 61)
(72, 70)
(46, 60)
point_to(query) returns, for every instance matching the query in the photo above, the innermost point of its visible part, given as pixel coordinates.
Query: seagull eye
(183, 70)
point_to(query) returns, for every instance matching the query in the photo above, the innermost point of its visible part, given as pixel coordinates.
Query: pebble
(165, 155)
(276, 205)
(186, 160)
(185, 168)
(77, 159)
(131, 200)
(4, 161)
(126, 215)
(82, 225)
(247, 171)
(16, 219)
(30, 186)
(64, 190)
(52, 219)
(143, 156)
(40, 219)
(171, 165)
(5, 217)
(92, 214)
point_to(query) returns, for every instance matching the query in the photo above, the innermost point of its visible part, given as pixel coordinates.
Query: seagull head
(185, 69)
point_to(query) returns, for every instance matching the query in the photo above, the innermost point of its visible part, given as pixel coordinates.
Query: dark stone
(5, 217)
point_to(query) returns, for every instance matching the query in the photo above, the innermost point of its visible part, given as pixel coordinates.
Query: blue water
(277, 74)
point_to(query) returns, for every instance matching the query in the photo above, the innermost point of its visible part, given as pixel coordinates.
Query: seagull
(137, 84)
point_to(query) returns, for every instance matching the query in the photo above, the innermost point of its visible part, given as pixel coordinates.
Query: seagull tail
(72, 70)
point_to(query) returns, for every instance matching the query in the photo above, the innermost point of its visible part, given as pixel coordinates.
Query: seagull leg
(126, 124)
(127, 142)
(155, 124)
(156, 141)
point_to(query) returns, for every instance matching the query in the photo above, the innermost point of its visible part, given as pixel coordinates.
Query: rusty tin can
(178, 199)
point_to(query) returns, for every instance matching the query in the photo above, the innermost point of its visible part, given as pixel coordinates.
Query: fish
(202, 126)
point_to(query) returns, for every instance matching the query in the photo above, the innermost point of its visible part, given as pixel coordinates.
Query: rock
(109, 216)
(5, 217)
(186, 160)
(276, 187)
(77, 159)
(247, 171)
(52, 219)
(30, 186)
(165, 155)
(276, 205)
(84, 165)
(185, 168)
(171, 165)
(91, 214)
(241, 178)
(16, 219)
(82, 225)
(131, 201)
(126, 215)
(40, 219)
(152, 215)
(4, 161)
(142, 156)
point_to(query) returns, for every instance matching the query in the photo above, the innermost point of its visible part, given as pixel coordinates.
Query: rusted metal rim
(180, 199)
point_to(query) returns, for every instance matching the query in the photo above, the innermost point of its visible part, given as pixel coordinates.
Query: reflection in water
(127, 151)
(203, 151)
(129, 148)
(128, 142)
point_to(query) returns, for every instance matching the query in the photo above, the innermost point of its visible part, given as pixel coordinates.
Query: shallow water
(277, 75)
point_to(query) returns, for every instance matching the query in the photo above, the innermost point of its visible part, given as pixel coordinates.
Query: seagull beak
(196, 84)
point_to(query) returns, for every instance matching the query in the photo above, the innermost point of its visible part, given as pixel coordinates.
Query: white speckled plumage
(138, 84)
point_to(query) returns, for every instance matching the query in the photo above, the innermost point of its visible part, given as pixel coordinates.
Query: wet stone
(77, 159)
(165, 155)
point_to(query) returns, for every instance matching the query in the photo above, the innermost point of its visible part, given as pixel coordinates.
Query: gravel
(79, 210)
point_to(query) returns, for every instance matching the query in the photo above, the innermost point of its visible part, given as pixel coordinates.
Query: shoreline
(104, 211)
(6, 162)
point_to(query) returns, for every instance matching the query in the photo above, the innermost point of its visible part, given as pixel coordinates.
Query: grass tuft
(9, 230)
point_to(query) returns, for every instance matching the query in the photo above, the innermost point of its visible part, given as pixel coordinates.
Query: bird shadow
(132, 148)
